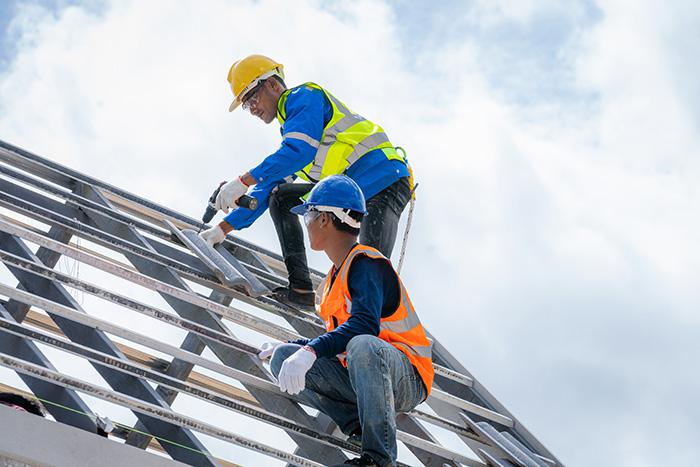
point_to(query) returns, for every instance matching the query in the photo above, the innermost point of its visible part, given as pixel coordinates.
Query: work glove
(213, 235)
(267, 348)
(292, 377)
(229, 194)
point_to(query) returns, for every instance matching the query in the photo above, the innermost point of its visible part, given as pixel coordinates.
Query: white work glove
(213, 236)
(267, 348)
(229, 194)
(292, 377)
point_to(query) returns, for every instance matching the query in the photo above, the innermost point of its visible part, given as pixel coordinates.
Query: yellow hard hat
(245, 74)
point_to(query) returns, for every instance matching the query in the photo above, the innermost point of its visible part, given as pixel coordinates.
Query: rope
(404, 243)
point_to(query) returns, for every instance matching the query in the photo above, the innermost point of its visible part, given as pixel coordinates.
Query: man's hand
(267, 348)
(213, 235)
(292, 377)
(229, 194)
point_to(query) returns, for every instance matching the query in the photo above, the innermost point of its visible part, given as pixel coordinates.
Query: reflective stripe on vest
(303, 137)
(402, 328)
(346, 138)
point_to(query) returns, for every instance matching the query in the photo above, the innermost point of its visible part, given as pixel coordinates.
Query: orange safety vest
(402, 329)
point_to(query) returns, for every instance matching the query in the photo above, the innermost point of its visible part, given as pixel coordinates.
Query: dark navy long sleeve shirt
(374, 291)
(308, 111)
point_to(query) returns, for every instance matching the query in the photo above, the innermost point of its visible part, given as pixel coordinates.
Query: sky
(553, 248)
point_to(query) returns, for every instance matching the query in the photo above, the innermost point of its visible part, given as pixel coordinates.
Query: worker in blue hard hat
(375, 358)
(321, 136)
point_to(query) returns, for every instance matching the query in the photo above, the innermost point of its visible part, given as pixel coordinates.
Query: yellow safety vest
(346, 138)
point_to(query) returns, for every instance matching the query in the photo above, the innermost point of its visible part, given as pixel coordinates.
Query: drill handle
(245, 201)
(248, 202)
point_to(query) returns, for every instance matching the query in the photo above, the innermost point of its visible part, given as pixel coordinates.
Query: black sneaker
(364, 460)
(302, 300)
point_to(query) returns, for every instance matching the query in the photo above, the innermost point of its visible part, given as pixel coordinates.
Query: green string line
(128, 428)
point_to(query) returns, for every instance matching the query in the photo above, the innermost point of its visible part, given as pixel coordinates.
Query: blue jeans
(378, 382)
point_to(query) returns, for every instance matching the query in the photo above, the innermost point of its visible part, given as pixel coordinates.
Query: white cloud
(562, 231)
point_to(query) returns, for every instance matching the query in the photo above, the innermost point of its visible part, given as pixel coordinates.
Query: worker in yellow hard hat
(247, 74)
(321, 136)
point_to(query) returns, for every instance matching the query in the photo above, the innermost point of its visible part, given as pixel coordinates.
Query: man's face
(261, 101)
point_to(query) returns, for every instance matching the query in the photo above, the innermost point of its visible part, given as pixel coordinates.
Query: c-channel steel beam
(239, 360)
(97, 340)
(49, 258)
(27, 350)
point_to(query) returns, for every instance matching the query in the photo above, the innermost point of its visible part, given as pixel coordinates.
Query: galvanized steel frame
(113, 218)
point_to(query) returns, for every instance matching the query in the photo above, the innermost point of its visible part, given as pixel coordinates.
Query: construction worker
(320, 137)
(375, 359)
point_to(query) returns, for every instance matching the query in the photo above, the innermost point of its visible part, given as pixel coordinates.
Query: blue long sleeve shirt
(374, 290)
(308, 111)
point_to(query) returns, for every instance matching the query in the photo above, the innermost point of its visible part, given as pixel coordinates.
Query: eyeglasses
(252, 98)
(310, 216)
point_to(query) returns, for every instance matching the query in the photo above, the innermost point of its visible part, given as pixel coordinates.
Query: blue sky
(556, 145)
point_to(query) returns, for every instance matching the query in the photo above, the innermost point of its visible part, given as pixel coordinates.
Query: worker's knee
(281, 200)
(276, 205)
(364, 348)
(281, 353)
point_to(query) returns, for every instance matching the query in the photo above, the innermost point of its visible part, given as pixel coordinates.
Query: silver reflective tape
(343, 124)
(366, 145)
(328, 139)
(302, 137)
(424, 351)
(330, 136)
(341, 107)
(316, 169)
(402, 325)
(348, 261)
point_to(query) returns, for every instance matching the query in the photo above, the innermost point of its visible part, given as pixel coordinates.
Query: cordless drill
(245, 201)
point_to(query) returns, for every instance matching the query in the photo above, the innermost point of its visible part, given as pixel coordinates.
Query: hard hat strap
(340, 213)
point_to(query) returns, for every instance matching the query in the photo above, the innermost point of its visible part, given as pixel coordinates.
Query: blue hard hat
(339, 191)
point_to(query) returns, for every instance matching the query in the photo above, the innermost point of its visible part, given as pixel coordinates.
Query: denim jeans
(378, 382)
(378, 227)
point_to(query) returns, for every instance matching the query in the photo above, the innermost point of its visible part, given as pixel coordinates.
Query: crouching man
(375, 359)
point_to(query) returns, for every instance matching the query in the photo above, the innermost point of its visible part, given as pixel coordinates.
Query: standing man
(320, 137)
(375, 358)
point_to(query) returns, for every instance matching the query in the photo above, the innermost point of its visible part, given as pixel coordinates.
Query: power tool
(245, 201)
